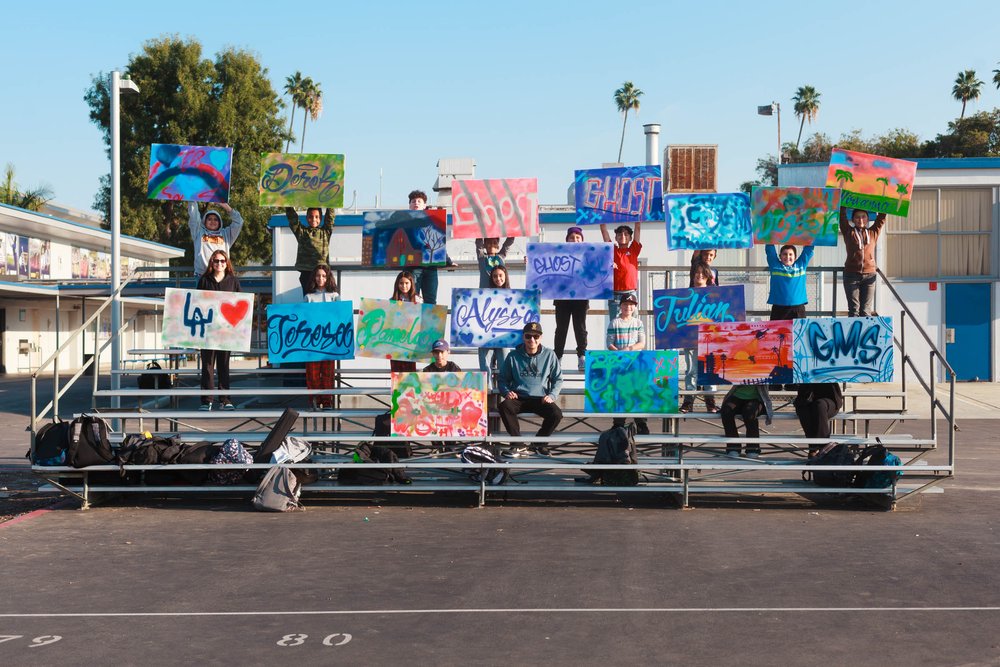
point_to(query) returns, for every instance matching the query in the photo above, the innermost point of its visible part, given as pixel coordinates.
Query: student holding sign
(626, 264)
(575, 309)
(313, 240)
(787, 295)
(208, 234)
(860, 267)
(219, 277)
(404, 290)
(321, 374)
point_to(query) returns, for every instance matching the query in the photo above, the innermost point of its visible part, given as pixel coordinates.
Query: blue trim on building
(357, 219)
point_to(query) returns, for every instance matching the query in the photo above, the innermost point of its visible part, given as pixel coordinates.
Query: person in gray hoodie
(208, 234)
(530, 381)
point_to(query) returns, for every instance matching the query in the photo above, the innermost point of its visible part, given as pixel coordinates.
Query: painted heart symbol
(234, 312)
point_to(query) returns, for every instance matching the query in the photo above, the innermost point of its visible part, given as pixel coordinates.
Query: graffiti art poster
(23, 256)
(678, 312)
(492, 317)
(10, 253)
(498, 207)
(206, 319)
(842, 349)
(400, 330)
(189, 173)
(795, 216)
(396, 239)
(871, 182)
(302, 180)
(34, 259)
(632, 382)
(704, 221)
(441, 404)
(310, 332)
(745, 353)
(619, 195)
(571, 270)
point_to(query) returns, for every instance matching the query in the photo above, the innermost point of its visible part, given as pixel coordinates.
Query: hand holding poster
(207, 320)
(310, 332)
(442, 404)
(871, 182)
(189, 173)
(301, 180)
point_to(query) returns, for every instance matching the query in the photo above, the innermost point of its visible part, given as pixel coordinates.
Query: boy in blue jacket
(788, 281)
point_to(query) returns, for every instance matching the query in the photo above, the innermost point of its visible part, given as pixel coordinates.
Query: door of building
(967, 318)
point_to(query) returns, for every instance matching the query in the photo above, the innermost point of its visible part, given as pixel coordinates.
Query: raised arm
(604, 233)
(293, 221)
(507, 243)
(194, 222)
(638, 231)
(772, 256)
(232, 232)
(329, 217)
(879, 223)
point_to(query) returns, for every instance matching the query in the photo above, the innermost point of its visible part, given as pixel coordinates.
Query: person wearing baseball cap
(626, 333)
(626, 263)
(440, 351)
(530, 381)
(574, 309)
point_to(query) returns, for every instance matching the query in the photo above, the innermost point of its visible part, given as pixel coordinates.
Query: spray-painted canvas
(442, 404)
(571, 270)
(492, 317)
(842, 349)
(619, 195)
(207, 320)
(745, 353)
(310, 331)
(678, 312)
(10, 253)
(396, 239)
(302, 180)
(189, 173)
(497, 207)
(871, 182)
(23, 255)
(796, 216)
(644, 381)
(398, 330)
(703, 221)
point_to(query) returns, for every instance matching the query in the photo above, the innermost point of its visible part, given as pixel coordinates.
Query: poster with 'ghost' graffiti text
(571, 270)
(442, 404)
(619, 194)
(842, 349)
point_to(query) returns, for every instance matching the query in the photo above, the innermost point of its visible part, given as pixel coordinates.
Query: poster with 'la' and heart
(207, 320)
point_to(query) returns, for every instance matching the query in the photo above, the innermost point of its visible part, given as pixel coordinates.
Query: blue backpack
(877, 455)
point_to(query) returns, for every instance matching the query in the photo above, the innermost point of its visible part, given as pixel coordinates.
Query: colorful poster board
(442, 404)
(492, 317)
(704, 221)
(396, 239)
(207, 320)
(643, 381)
(796, 216)
(310, 332)
(871, 182)
(398, 330)
(618, 195)
(678, 312)
(842, 349)
(189, 173)
(745, 353)
(23, 256)
(495, 207)
(10, 252)
(301, 180)
(571, 270)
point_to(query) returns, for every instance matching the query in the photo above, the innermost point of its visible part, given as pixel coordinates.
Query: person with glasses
(219, 277)
(208, 234)
(530, 381)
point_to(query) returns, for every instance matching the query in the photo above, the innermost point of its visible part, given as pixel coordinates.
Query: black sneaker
(542, 450)
(641, 428)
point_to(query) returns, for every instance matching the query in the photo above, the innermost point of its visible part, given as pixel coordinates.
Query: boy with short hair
(440, 351)
(626, 333)
(426, 277)
(626, 263)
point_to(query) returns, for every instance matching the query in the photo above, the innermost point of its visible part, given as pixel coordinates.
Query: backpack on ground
(833, 454)
(278, 491)
(383, 427)
(231, 453)
(364, 476)
(143, 449)
(478, 454)
(154, 380)
(51, 443)
(616, 446)
(88, 442)
(877, 455)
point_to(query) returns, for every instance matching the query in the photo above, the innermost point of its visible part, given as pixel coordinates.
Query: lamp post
(773, 109)
(118, 85)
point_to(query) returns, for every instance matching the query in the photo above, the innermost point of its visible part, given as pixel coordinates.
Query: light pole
(773, 109)
(118, 84)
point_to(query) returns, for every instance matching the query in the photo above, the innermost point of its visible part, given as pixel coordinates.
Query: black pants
(306, 281)
(577, 310)
(815, 416)
(218, 360)
(749, 409)
(788, 312)
(510, 408)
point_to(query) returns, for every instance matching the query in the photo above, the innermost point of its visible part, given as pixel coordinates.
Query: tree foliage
(975, 136)
(626, 98)
(967, 87)
(188, 99)
(32, 199)
(806, 107)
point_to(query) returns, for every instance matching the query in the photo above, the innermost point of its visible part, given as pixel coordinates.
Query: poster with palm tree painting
(397, 239)
(871, 182)
(745, 352)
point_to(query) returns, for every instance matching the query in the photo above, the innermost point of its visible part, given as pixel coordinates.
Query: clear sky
(525, 88)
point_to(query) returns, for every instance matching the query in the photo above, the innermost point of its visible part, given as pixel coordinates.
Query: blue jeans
(427, 284)
(499, 356)
(615, 304)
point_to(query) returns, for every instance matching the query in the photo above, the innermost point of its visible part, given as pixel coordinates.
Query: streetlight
(773, 109)
(118, 85)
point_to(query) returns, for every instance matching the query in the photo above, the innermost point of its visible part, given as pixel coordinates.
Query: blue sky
(525, 88)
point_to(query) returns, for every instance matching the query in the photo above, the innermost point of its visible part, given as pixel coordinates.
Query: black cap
(533, 328)
(629, 298)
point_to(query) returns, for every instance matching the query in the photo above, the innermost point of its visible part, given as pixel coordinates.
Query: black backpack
(154, 380)
(383, 427)
(834, 454)
(368, 453)
(88, 442)
(485, 454)
(51, 443)
(143, 450)
(616, 446)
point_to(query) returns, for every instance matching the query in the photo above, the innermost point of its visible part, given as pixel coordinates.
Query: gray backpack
(278, 491)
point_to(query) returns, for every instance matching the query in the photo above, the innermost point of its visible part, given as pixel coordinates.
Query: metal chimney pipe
(652, 131)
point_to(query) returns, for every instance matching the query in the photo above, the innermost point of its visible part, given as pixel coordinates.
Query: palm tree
(312, 106)
(996, 77)
(806, 107)
(842, 176)
(626, 97)
(10, 194)
(293, 87)
(901, 190)
(885, 183)
(967, 87)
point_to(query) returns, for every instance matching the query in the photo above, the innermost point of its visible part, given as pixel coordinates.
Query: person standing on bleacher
(220, 277)
(530, 381)
(208, 234)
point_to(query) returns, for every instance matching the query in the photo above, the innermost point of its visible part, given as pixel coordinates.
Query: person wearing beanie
(208, 234)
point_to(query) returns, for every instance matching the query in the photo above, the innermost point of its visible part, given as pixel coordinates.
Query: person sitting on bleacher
(441, 364)
(626, 333)
(816, 404)
(748, 401)
(530, 381)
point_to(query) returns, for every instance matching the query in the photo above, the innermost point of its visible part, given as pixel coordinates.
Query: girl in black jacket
(219, 277)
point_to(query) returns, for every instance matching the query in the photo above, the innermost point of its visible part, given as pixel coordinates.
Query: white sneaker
(205, 406)
(753, 455)
(515, 452)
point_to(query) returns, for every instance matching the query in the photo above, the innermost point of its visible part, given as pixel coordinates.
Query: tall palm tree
(312, 106)
(967, 87)
(885, 183)
(996, 77)
(806, 107)
(293, 87)
(11, 194)
(626, 97)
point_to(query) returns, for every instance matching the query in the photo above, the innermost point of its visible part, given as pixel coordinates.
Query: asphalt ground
(431, 580)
